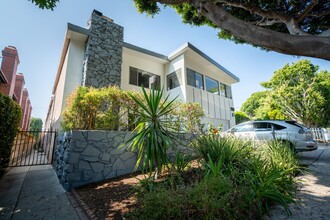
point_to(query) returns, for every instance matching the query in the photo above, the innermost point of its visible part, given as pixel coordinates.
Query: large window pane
(174, 80)
(191, 79)
(195, 79)
(211, 85)
(133, 76)
(222, 89)
(143, 78)
(228, 92)
(199, 81)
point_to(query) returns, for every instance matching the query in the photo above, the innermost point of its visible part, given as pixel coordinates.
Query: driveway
(313, 197)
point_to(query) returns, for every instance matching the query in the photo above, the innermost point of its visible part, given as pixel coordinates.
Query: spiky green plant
(151, 138)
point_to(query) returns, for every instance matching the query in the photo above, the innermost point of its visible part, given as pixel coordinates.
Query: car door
(244, 131)
(263, 131)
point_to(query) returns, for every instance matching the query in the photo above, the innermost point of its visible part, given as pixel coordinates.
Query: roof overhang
(146, 53)
(194, 52)
(73, 32)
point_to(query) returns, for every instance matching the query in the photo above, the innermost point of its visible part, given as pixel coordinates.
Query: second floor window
(174, 80)
(143, 78)
(195, 79)
(211, 85)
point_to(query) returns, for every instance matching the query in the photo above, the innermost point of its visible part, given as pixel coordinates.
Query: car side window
(243, 128)
(278, 127)
(262, 126)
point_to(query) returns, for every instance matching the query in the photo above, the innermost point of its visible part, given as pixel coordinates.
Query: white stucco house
(97, 56)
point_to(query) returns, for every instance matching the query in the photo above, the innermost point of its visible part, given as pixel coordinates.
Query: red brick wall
(9, 65)
(19, 85)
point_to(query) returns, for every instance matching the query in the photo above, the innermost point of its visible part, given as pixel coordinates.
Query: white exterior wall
(70, 78)
(217, 108)
(174, 65)
(140, 61)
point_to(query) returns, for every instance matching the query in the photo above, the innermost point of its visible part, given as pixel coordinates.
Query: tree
(36, 124)
(241, 117)
(255, 101)
(45, 4)
(302, 93)
(287, 26)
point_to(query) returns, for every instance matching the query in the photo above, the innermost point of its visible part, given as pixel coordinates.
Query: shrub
(212, 198)
(107, 108)
(241, 182)
(152, 139)
(11, 114)
(111, 108)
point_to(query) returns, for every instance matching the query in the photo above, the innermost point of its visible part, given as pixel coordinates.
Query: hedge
(10, 114)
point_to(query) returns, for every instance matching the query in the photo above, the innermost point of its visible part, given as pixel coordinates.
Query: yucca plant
(151, 138)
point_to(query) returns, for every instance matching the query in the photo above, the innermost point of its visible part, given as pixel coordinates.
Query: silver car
(291, 132)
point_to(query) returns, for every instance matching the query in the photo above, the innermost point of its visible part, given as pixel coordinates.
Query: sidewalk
(34, 192)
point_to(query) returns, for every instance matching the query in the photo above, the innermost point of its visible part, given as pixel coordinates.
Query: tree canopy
(298, 91)
(294, 27)
(36, 124)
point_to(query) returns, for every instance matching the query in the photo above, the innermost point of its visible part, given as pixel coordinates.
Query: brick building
(13, 84)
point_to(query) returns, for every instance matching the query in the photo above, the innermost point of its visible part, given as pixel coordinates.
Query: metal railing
(321, 134)
(33, 148)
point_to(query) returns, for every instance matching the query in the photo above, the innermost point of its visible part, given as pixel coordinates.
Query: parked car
(290, 132)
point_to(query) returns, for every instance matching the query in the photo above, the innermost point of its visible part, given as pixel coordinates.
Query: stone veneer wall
(103, 56)
(83, 157)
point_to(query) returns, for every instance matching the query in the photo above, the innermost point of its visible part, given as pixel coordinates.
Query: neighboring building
(12, 84)
(98, 57)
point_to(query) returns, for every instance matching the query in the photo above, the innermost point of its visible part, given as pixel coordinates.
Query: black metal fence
(33, 148)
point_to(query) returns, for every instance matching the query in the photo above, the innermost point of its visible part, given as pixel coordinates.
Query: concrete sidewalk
(34, 192)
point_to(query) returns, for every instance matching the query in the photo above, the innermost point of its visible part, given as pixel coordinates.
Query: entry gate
(33, 148)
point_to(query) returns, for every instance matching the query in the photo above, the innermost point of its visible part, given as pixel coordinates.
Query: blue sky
(38, 36)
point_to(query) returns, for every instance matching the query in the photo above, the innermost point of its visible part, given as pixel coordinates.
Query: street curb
(82, 205)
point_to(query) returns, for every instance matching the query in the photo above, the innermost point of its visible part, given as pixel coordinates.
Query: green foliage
(45, 4)
(255, 101)
(152, 139)
(241, 182)
(180, 162)
(302, 93)
(11, 114)
(36, 124)
(248, 11)
(241, 117)
(106, 108)
(187, 117)
(112, 109)
(212, 198)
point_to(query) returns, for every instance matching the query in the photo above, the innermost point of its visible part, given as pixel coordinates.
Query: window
(228, 92)
(262, 126)
(174, 80)
(194, 79)
(243, 128)
(211, 85)
(225, 91)
(222, 89)
(143, 78)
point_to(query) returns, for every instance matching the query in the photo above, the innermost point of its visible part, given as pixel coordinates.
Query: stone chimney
(19, 86)
(103, 55)
(9, 65)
